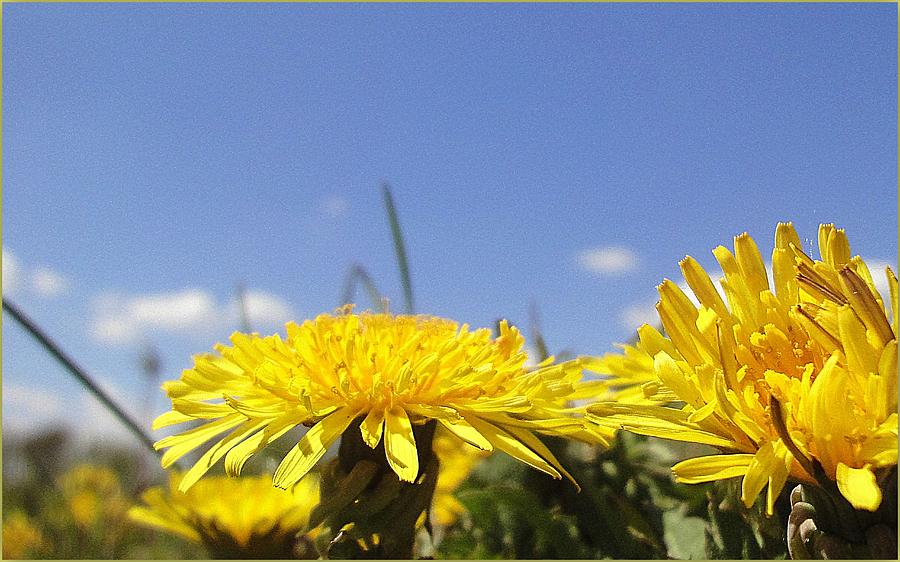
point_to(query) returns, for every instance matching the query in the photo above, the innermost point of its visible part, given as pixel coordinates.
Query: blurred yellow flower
(240, 517)
(457, 459)
(798, 382)
(380, 372)
(83, 506)
(21, 539)
(92, 494)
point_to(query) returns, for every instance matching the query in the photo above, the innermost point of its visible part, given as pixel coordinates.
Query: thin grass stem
(242, 308)
(75, 370)
(399, 248)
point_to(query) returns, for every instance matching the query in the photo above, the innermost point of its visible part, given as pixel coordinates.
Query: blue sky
(155, 156)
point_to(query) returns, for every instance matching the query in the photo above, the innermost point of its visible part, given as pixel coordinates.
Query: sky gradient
(156, 156)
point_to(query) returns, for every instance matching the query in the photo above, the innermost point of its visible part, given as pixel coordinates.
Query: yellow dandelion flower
(380, 372)
(797, 382)
(457, 460)
(93, 494)
(238, 516)
(21, 538)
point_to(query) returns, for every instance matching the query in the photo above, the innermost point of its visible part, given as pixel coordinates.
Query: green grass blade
(75, 370)
(399, 248)
(537, 338)
(242, 309)
(358, 274)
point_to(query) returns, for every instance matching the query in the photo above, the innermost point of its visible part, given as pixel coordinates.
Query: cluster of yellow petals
(796, 378)
(234, 509)
(385, 372)
(93, 495)
(21, 537)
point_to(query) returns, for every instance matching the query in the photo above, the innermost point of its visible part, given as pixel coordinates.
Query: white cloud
(265, 309)
(41, 281)
(30, 410)
(335, 206)
(12, 272)
(107, 329)
(532, 355)
(122, 320)
(186, 309)
(609, 260)
(637, 315)
(48, 283)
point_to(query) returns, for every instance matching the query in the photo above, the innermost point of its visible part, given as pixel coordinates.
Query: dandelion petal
(310, 449)
(858, 485)
(400, 445)
(714, 467)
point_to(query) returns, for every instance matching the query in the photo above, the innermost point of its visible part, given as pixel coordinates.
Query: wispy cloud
(41, 281)
(265, 309)
(186, 309)
(48, 283)
(12, 272)
(607, 260)
(123, 320)
(29, 410)
(638, 314)
(335, 206)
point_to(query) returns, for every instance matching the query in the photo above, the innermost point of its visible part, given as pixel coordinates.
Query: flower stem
(379, 520)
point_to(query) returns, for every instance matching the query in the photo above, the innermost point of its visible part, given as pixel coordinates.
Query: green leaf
(399, 248)
(685, 535)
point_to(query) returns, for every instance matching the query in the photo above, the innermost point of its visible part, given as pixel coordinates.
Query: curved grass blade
(78, 373)
(358, 274)
(399, 248)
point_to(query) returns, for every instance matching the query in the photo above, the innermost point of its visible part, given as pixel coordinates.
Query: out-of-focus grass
(75, 501)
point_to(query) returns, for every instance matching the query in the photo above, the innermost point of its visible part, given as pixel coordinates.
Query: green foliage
(629, 507)
(626, 508)
(514, 524)
(737, 532)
